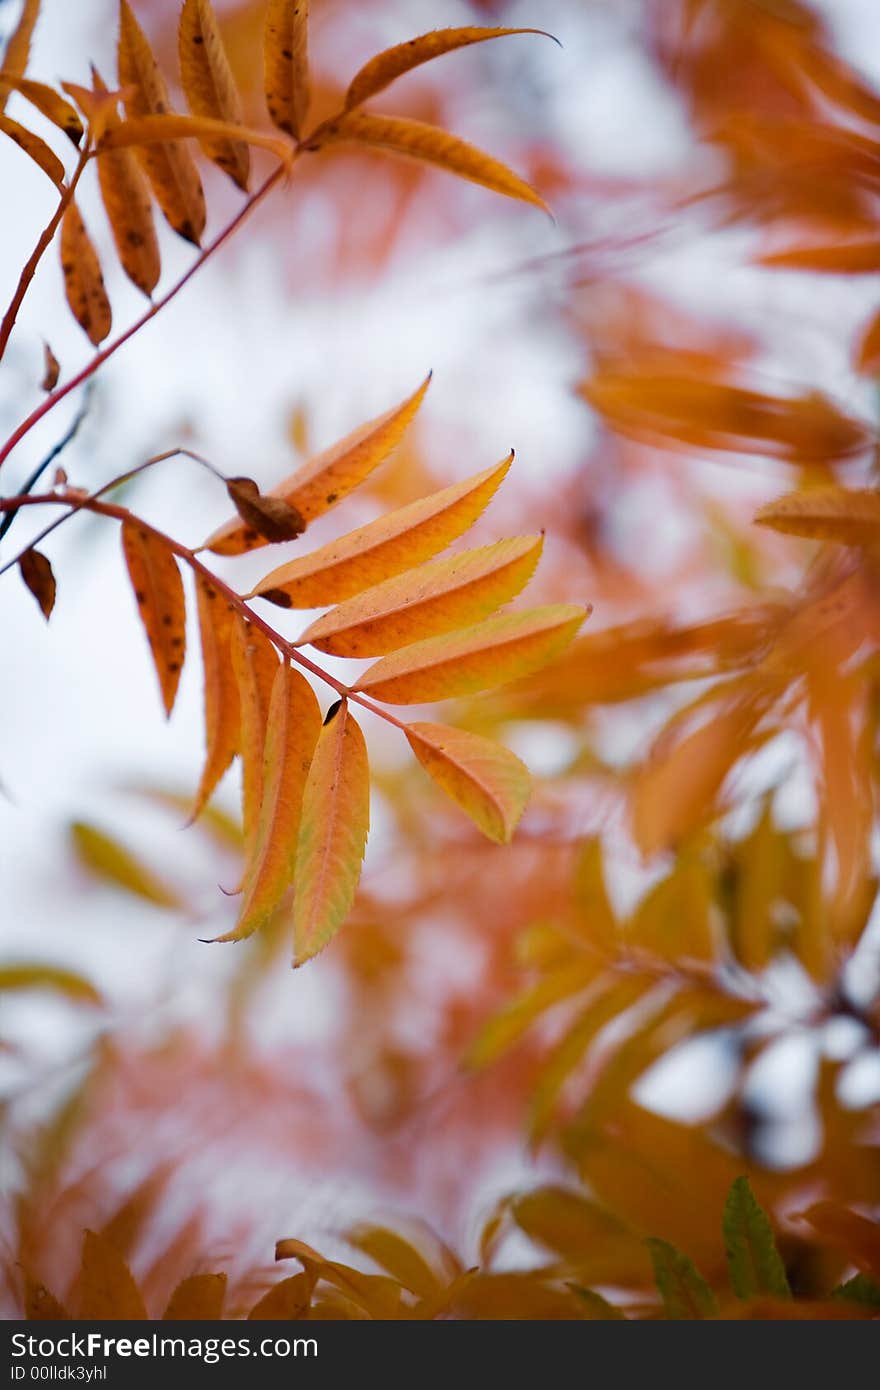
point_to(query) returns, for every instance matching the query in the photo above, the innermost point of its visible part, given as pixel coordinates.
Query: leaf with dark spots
(271, 517)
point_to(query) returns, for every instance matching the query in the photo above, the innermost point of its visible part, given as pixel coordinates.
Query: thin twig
(67, 438)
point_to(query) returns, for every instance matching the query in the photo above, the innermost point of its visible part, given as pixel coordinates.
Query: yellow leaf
(395, 542)
(222, 715)
(508, 1026)
(292, 730)
(488, 782)
(151, 130)
(170, 168)
(286, 64)
(126, 197)
(18, 46)
(83, 281)
(333, 833)
(392, 63)
(255, 665)
(107, 1291)
(36, 148)
(198, 1297)
(323, 481)
(36, 975)
(210, 88)
(287, 1300)
(46, 100)
(850, 516)
(474, 658)
(112, 863)
(427, 144)
(158, 589)
(398, 1258)
(426, 601)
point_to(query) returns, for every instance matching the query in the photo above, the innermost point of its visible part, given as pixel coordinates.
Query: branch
(50, 458)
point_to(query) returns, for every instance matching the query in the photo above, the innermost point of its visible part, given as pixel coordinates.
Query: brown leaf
(271, 517)
(83, 280)
(286, 64)
(107, 1291)
(36, 572)
(40, 1305)
(51, 369)
(125, 194)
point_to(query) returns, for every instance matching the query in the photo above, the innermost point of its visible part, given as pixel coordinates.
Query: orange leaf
(488, 782)
(392, 63)
(158, 589)
(222, 715)
(398, 1258)
(333, 833)
(427, 144)
(36, 148)
(198, 1297)
(18, 46)
(83, 281)
(288, 1299)
(46, 100)
(151, 130)
(126, 197)
(474, 658)
(40, 1305)
(170, 168)
(840, 258)
(36, 572)
(210, 88)
(323, 481)
(850, 516)
(868, 352)
(395, 542)
(107, 1291)
(286, 63)
(428, 600)
(255, 664)
(856, 1235)
(271, 518)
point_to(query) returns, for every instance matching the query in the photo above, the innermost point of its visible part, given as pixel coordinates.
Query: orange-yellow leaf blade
(198, 1297)
(153, 130)
(255, 664)
(83, 279)
(850, 516)
(333, 833)
(429, 144)
(210, 88)
(324, 480)
(488, 782)
(18, 47)
(170, 168)
(286, 64)
(107, 1290)
(46, 100)
(398, 541)
(35, 148)
(424, 602)
(293, 727)
(222, 715)
(158, 589)
(125, 194)
(40, 1305)
(474, 658)
(387, 66)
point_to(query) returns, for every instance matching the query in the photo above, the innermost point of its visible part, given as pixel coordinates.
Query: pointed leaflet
(209, 85)
(429, 145)
(292, 730)
(684, 1291)
(158, 589)
(508, 1026)
(36, 148)
(170, 168)
(24, 975)
(18, 48)
(753, 1261)
(112, 863)
(839, 258)
(488, 782)
(850, 516)
(160, 130)
(83, 280)
(382, 70)
(323, 481)
(254, 664)
(47, 101)
(288, 1299)
(426, 601)
(398, 541)
(40, 1305)
(474, 658)
(106, 1287)
(222, 716)
(51, 369)
(198, 1297)
(398, 1258)
(36, 571)
(333, 833)
(286, 64)
(126, 197)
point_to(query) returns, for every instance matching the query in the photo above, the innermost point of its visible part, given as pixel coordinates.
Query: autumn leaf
(272, 518)
(169, 167)
(394, 542)
(107, 1291)
(37, 975)
(158, 589)
(200, 1297)
(426, 601)
(222, 714)
(287, 1300)
(35, 148)
(333, 833)
(839, 258)
(396, 1257)
(36, 571)
(255, 666)
(752, 1257)
(83, 280)
(507, 1027)
(474, 658)
(849, 1231)
(323, 481)
(292, 730)
(684, 1291)
(18, 45)
(868, 350)
(152, 130)
(46, 100)
(112, 863)
(126, 197)
(392, 63)
(51, 369)
(286, 64)
(42, 1306)
(210, 88)
(426, 144)
(850, 516)
(488, 782)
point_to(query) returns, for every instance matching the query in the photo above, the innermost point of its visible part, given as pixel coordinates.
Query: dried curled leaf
(850, 516)
(46, 100)
(255, 665)
(323, 481)
(36, 571)
(18, 47)
(106, 1287)
(392, 63)
(426, 601)
(51, 369)
(125, 194)
(474, 658)
(83, 279)
(286, 64)
(488, 782)
(210, 88)
(169, 167)
(35, 148)
(222, 714)
(199, 1297)
(272, 518)
(753, 1260)
(158, 589)
(333, 833)
(292, 731)
(395, 542)
(427, 144)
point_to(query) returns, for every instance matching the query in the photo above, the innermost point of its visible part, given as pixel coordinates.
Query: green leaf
(753, 1260)
(862, 1289)
(598, 1308)
(685, 1293)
